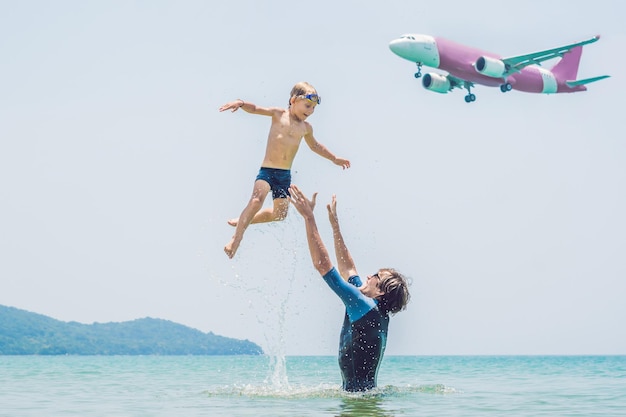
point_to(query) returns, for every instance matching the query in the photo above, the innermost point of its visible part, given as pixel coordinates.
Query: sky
(118, 173)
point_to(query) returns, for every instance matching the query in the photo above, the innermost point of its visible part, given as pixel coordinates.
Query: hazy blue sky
(118, 173)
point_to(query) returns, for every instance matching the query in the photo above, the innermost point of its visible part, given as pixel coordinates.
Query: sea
(276, 386)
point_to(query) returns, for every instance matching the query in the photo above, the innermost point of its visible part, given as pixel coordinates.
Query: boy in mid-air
(288, 128)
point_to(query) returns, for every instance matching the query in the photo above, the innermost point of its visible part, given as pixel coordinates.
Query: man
(368, 305)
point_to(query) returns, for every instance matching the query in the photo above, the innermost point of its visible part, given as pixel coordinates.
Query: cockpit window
(412, 38)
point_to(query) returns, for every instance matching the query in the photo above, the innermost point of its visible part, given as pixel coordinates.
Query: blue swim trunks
(278, 179)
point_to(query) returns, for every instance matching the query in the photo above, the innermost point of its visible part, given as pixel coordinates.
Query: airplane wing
(516, 63)
(458, 82)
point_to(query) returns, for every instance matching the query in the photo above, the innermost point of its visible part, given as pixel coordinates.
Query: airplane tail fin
(566, 70)
(567, 67)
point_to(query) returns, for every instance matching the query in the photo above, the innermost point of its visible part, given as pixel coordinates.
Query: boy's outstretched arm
(323, 151)
(319, 253)
(345, 263)
(233, 106)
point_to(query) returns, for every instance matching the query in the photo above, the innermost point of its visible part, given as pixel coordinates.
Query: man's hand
(301, 203)
(332, 211)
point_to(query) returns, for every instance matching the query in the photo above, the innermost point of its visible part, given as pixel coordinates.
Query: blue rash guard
(363, 335)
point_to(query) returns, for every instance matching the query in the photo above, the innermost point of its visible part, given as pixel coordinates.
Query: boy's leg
(259, 192)
(277, 213)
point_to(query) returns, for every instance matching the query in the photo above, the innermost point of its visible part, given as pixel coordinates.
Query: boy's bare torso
(284, 139)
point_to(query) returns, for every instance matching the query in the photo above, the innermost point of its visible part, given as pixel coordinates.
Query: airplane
(467, 66)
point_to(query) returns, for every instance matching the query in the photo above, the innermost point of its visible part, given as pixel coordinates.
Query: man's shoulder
(355, 280)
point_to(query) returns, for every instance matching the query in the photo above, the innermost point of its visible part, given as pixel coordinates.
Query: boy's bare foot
(232, 247)
(233, 222)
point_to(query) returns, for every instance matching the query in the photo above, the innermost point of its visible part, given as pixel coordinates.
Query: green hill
(26, 333)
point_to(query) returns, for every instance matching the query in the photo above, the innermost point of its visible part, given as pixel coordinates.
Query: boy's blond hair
(300, 89)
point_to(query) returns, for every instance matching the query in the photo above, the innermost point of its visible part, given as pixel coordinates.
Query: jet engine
(490, 67)
(436, 82)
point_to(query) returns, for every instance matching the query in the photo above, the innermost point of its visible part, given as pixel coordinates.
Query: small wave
(392, 390)
(324, 391)
(273, 391)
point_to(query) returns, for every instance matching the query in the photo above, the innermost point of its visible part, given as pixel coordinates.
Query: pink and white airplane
(467, 66)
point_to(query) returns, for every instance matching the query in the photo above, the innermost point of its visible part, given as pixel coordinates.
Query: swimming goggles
(314, 98)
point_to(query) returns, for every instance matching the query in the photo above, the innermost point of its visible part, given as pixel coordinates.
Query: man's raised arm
(345, 263)
(319, 253)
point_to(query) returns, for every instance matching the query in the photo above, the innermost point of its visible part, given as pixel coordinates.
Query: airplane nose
(416, 48)
(396, 46)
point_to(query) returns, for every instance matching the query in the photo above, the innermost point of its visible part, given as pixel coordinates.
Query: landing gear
(469, 97)
(419, 70)
(506, 87)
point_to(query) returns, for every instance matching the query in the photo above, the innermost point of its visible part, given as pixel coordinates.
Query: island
(26, 333)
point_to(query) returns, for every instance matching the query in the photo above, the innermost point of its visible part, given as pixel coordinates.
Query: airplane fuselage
(459, 61)
(472, 66)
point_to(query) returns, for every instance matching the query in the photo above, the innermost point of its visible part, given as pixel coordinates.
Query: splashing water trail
(285, 239)
(265, 268)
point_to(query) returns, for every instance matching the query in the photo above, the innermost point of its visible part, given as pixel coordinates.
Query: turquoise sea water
(310, 386)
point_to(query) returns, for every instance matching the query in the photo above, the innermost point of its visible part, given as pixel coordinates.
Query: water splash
(284, 237)
(277, 377)
(269, 286)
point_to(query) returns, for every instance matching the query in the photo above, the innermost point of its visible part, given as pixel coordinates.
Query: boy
(288, 128)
